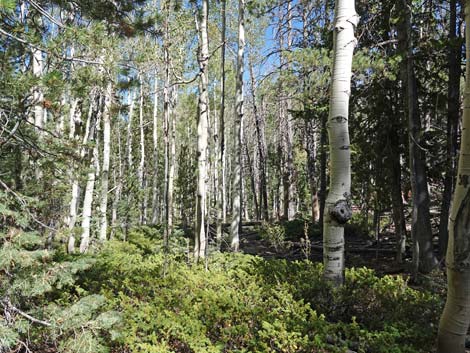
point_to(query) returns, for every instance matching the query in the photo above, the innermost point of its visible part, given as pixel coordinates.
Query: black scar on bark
(339, 119)
(341, 212)
(463, 180)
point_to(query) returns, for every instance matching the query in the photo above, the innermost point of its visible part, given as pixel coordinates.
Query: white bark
(106, 158)
(130, 162)
(155, 153)
(237, 175)
(455, 319)
(202, 136)
(221, 131)
(38, 96)
(75, 183)
(172, 160)
(89, 191)
(140, 169)
(337, 206)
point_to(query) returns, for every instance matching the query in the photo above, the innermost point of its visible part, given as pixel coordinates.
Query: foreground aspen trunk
(337, 207)
(237, 174)
(455, 319)
(106, 158)
(90, 186)
(202, 135)
(221, 133)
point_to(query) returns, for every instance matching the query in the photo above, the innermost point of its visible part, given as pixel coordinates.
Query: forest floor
(361, 250)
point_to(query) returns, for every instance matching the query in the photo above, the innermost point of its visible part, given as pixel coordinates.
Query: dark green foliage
(246, 304)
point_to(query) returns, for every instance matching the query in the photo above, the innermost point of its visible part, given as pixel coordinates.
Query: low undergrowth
(129, 297)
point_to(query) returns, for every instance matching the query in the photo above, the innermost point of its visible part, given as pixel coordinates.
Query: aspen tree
(90, 185)
(237, 174)
(106, 157)
(455, 319)
(155, 152)
(140, 168)
(337, 206)
(221, 129)
(202, 134)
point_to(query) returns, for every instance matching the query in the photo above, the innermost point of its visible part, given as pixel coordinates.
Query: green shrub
(130, 297)
(274, 234)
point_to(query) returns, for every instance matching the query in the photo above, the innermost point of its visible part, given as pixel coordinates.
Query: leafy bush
(130, 297)
(274, 234)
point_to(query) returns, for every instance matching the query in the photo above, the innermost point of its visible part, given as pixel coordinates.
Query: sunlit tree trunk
(237, 174)
(337, 207)
(73, 209)
(130, 159)
(172, 160)
(38, 96)
(90, 187)
(221, 129)
(106, 157)
(140, 168)
(202, 135)
(455, 319)
(155, 153)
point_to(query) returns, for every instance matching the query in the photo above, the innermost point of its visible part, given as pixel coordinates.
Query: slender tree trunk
(155, 154)
(252, 181)
(172, 161)
(221, 132)
(323, 166)
(261, 144)
(73, 210)
(292, 189)
(130, 160)
(421, 232)
(453, 112)
(396, 192)
(106, 157)
(118, 180)
(311, 149)
(338, 209)
(141, 167)
(38, 96)
(202, 135)
(90, 188)
(237, 175)
(455, 319)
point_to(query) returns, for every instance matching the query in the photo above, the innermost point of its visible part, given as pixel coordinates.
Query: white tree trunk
(455, 319)
(89, 189)
(202, 136)
(106, 158)
(38, 96)
(237, 174)
(73, 210)
(140, 169)
(338, 210)
(130, 162)
(155, 153)
(221, 130)
(172, 159)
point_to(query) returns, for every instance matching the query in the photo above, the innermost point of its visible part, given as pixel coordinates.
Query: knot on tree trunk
(341, 211)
